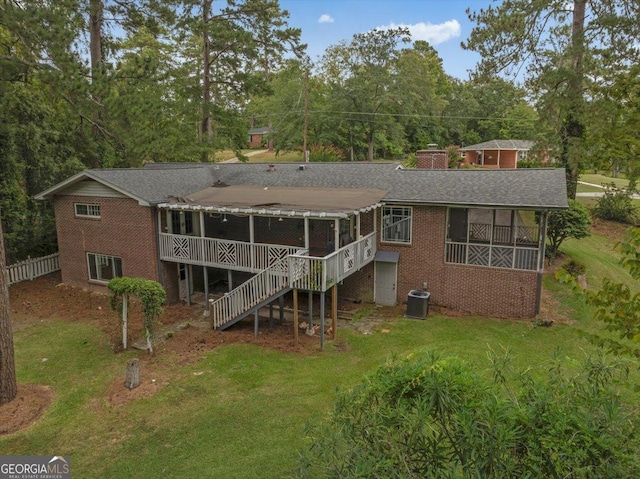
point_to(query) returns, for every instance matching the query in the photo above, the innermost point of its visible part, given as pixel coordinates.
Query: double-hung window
(396, 224)
(89, 210)
(103, 267)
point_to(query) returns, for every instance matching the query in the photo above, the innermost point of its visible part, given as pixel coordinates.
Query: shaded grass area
(240, 411)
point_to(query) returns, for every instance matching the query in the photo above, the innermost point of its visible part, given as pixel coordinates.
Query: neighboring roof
(522, 188)
(287, 198)
(519, 145)
(263, 130)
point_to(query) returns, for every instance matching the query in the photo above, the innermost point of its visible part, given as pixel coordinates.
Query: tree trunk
(133, 374)
(8, 385)
(96, 10)
(573, 131)
(205, 123)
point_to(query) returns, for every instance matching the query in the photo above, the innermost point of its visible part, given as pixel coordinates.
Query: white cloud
(325, 18)
(434, 34)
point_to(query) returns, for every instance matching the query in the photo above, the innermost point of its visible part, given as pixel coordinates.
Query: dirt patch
(29, 405)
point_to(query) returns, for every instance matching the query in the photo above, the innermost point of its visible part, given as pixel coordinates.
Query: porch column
(205, 271)
(499, 157)
(306, 233)
(336, 233)
(357, 227)
(375, 220)
(229, 280)
(252, 240)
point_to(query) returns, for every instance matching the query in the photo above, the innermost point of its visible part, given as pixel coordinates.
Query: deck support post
(256, 321)
(229, 280)
(270, 315)
(322, 297)
(295, 315)
(205, 272)
(334, 310)
(281, 308)
(187, 275)
(310, 327)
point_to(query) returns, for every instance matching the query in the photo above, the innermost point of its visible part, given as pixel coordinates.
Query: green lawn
(240, 411)
(271, 156)
(598, 179)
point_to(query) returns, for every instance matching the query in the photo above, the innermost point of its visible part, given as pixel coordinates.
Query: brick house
(257, 138)
(371, 231)
(497, 153)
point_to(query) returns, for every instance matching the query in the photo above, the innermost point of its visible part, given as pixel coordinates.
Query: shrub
(320, 152)
(432, 416)
(616, 205)
(574, 268)
(563, 224)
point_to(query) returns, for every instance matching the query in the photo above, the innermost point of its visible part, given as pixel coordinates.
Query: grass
(598, 179)
(243, 414)
(271, 156)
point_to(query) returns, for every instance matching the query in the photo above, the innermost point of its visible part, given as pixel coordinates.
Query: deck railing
(218, 253)
(491, 255)
(254, 291)
(320, 274)
(294, 271)
(33, 268)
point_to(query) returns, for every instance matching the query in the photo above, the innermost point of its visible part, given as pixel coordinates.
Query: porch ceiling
(286, 201)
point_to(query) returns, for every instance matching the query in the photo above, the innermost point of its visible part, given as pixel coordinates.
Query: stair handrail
(252, 292)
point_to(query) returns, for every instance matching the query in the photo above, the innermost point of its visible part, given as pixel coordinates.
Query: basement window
(103, 267)
(89, 210)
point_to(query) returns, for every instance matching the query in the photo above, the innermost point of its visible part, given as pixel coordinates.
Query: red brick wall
(476, 289)
(432, 159)
(124, 229)
(255, 141)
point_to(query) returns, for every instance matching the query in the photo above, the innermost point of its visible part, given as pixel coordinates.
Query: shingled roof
(518, 145)
(521, 188)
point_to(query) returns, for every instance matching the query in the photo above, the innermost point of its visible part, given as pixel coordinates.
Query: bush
(574, 268)
(533, 163)
(319, 152)
(432, 416)
(616, 205)
(563, 224)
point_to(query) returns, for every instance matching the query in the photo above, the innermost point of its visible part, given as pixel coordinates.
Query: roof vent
(272, 167)
(302, 167)
(432, 146)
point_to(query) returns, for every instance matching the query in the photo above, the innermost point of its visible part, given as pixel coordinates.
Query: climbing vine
(150, 293)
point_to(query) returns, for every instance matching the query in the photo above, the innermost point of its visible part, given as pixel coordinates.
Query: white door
(386, 276)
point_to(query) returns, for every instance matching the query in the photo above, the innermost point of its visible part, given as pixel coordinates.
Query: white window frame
(100, 261)
(408, 213)
(93, 210)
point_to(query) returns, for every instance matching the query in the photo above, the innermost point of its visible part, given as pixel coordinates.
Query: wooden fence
(33, 268)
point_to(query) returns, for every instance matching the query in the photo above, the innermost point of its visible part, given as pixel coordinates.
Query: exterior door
(386, 276)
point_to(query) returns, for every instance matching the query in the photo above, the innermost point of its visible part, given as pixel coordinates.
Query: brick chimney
(432, 159)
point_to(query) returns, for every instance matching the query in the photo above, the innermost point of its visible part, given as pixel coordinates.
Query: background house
(497, 153)
(258, 138)
(372, 231)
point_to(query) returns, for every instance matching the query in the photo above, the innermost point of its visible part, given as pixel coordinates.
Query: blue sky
(443, 23)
